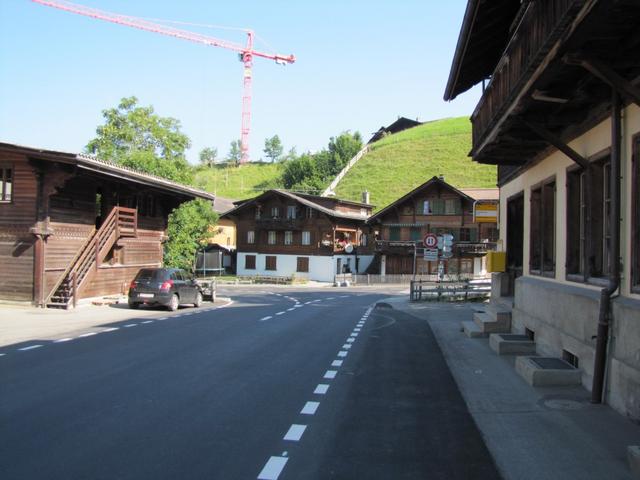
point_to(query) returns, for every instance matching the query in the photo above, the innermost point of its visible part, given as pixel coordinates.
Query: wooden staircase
(121, 222)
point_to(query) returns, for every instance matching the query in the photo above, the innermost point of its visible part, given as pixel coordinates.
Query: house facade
(560, 116)
(73, 226)
(284, 234)
(439, 208)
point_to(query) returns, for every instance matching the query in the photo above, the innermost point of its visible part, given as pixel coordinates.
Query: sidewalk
(20, 324)
(532, 433)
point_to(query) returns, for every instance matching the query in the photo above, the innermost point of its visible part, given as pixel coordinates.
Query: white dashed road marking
(321, 389)
(351, 340)
(307, 303)
(264, 319)
(30, 347)
(310, 408)
(60, 340)
(343, 354)
(280, 313)
(330, 374)
(273, 467)
(295, 433)
(336, 363)
(346, 346)
(147, 321)
(130, 325)
(88, 334)
(111, 329)
(290, 309)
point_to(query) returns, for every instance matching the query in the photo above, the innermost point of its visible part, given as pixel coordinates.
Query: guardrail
(449, 291)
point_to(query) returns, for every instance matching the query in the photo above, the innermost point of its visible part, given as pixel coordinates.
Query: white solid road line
(30, 347)
(60, 340)
(273, 467)
(310, 408)
(264, 319)
(343, 354)
(295, 433)
(321, 389)
(330, 374)
(336, 363)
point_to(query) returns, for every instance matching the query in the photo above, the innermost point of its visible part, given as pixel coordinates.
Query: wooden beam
(606, 74)
(556, 142)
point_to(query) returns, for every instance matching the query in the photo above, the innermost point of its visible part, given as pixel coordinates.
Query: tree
(235, 152)
(136, 137)
(273, 148)
(188, 230)
(208, 156)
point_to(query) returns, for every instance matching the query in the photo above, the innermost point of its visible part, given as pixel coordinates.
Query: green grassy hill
(241, 182)
(398, 163)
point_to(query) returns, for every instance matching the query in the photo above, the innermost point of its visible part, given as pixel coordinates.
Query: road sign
(430, 240)
(431, 254)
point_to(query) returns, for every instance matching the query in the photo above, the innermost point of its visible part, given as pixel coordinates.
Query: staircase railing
(121, 222)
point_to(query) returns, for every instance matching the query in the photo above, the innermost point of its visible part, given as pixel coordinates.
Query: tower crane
(246, 52)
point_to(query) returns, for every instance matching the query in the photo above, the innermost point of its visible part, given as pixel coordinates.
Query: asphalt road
(293, 384)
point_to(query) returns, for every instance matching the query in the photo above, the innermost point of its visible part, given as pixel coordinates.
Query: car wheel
(198, 301)
(174, 303)
(134, 306)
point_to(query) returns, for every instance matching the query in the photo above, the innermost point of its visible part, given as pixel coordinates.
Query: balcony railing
(279, 223)
(540, 26)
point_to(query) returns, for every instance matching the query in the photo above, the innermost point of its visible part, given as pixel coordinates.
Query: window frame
(292, 212)
(4, 168)
(540, 244)
(300, 264)
(267, 260)
(251, 237)
(288, 237)
(247, 263)
(306, 233)
(272, 235)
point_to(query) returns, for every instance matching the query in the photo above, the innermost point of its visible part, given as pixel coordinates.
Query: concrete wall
(321, 268)
(564, 313)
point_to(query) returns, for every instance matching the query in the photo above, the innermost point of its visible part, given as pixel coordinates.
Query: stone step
(498, 312)
(547, 371)
(511, 344)
(472, 330)
(488, 324)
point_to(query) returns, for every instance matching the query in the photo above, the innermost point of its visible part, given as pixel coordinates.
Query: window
(464, 235)
(452, 206)
(364, 239)
(394, 233)
(270, 262)
(271, 237)
(426, 208)
(251, 237)
(437, 206)
(635, 222)
(542, 255)
(415, 233)
(306, 238)
(291, 211)
(302, 264)
(250, 262)
(275, 212)
(288, 238)
(588, 221)
(6, 187)
(364, 212)
(258, 212)
(309, 212)
(466, 265)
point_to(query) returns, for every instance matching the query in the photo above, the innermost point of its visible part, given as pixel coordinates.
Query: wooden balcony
(541, 25)
(280, 223)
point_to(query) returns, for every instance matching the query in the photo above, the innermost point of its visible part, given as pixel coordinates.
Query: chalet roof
(428, 183)
(103, 167)
(298, 198)
(482, 194)
(485, 32)
(402, 123)
(222, 205)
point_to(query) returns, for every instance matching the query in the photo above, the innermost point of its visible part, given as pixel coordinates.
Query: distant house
(399, 125)
(436, 207)
(560, 117)
(283, 234)
(220, 253)
(224, 232)
(73, 226)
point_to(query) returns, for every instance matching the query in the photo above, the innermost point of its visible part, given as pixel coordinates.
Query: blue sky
(360, 65)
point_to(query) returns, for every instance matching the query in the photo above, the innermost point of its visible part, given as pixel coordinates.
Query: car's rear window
(151, 274)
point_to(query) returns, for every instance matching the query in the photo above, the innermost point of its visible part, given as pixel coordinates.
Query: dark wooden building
(402, 123)
(436, 207)
(282, 234)
(73, 226)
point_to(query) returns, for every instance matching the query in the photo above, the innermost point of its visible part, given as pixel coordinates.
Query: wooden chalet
(435, 207)
(73, 226)
(280, 233)
(560, 117)
(402, 123)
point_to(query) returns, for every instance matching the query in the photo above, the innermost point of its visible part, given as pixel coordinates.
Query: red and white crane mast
(246, 52)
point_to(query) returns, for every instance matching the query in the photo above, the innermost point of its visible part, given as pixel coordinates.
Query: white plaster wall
(321, 269)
